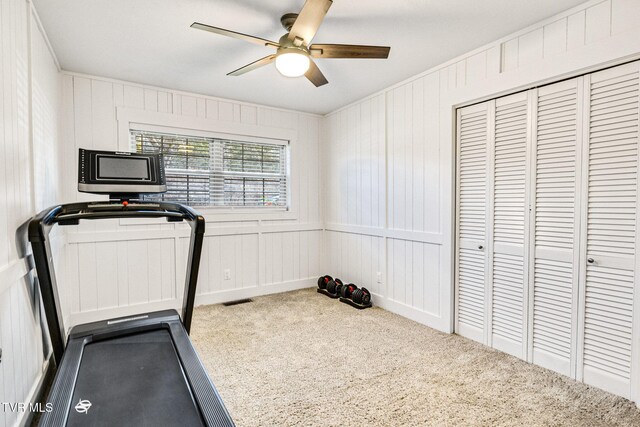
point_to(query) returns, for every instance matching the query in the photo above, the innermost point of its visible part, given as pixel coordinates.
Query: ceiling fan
(294, 53)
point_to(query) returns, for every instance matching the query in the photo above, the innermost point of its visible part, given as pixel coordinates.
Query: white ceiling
(149, 41)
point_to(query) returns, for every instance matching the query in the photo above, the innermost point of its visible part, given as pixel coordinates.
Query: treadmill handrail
(67, 214)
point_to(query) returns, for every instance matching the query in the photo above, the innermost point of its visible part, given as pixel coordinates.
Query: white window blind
(218, 172)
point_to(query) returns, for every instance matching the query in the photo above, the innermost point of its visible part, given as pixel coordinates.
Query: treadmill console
(120, 174)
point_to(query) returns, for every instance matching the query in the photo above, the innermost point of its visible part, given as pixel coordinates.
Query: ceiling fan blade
(315, 76)
(308, 21)
(235, 35)
(349, 51)
(255, 64)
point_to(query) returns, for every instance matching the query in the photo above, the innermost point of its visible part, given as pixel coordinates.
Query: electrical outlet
(379, 277)
(227, 274)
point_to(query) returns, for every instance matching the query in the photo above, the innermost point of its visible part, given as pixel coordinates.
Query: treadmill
(138, 370)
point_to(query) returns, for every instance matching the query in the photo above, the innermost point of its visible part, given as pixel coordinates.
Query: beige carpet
(300, 358)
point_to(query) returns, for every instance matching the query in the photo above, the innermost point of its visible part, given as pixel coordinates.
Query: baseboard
(254, 291)
(423, 317)
(36, 394)
(201, 299)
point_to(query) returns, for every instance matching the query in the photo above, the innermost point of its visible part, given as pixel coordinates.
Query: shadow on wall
(30, 281)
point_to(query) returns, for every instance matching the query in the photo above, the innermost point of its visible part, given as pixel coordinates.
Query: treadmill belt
(136, 380)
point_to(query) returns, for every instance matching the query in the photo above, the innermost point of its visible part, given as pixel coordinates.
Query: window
(218, 172)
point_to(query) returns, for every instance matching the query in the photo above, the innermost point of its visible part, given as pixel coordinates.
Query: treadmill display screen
(123, 168)
(120, 173)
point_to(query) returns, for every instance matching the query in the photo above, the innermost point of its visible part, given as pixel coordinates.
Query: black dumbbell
(339, 286)
(323, 281)
(361, 296)
(347, 290)
(334, 286)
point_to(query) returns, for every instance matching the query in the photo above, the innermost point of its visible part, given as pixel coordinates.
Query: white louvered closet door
(555, 231)
(473, 191)
(510, 220)
(609, 244)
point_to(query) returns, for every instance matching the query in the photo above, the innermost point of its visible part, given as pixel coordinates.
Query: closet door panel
(609, 254)
(472, 220)
(555, 235)
(508, 326)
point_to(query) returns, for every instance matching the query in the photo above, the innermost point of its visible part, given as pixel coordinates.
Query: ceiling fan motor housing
(287, 20)
(289, 45)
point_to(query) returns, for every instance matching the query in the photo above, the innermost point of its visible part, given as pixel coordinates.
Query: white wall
(113, 269)
(389, 203)
(29, 98)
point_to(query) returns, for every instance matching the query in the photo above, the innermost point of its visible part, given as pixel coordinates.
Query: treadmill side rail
(63, 386)
(205, 395)
(209, 401)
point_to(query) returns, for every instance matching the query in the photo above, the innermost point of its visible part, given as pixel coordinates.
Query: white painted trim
(118, 236)
(455, 325)
(225, 214)
(36, 16)
(168, 123)
(254, 291)
(13, 272)
(635, 328)
(448, 160)
(183, 232)
(389, 233)
(128, 116)
(233, 214)
(277, 228)
(183, 93)
(423, 317)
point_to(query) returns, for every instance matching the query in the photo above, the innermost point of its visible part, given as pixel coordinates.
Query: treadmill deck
(133, 371)
(134, 380)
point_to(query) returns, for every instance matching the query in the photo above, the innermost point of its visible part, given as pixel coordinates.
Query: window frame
(140, 120)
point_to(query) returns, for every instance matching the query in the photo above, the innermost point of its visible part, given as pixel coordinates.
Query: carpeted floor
(303, 359)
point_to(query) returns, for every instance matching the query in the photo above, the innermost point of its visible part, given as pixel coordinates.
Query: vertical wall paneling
(576, 30)
(623, 13)
(149, 269)
(598, 22)
(30, 89)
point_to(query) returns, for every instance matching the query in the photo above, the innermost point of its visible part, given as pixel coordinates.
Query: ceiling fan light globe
(292, 64)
